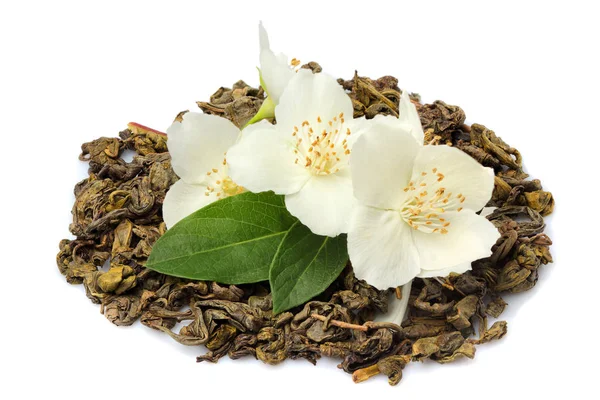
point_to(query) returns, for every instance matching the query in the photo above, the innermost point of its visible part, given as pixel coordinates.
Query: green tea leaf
(304, 266)
(230, 241)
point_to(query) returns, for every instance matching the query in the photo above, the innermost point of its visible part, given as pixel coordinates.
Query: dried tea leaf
(392, 367)
(465, 350)
(118, 279)
(496, 307)
(463, 311)
(496, 332)
(540, 201)
(438, 347)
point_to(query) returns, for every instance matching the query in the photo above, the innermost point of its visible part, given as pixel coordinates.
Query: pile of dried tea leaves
(117, 219)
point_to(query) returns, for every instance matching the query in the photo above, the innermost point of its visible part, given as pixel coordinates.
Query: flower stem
(398, 292)
(340, 324)
(361, 375)
(142, 129)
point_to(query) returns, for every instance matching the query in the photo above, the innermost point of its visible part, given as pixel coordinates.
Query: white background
(71, 72)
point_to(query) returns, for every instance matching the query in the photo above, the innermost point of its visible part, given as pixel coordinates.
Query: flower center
(427, 201)
(219, 184)
(322, 147)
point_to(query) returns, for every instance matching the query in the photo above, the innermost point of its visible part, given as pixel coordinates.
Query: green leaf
(266, 110)
(304, 266)
(230, 241)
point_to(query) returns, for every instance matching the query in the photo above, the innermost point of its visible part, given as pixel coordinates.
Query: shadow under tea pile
(117, 219)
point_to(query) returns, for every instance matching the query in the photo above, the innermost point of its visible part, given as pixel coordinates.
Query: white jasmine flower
(485, 211)
(396, 309)
(305, 155)
(198, 146)
(416, 216)
(409, 116)
(275, 72)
